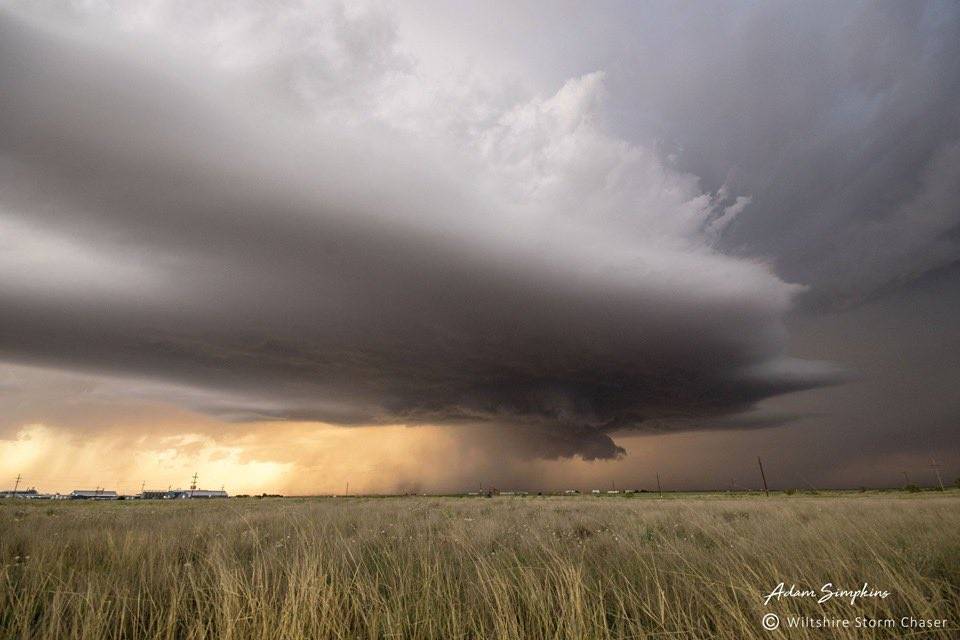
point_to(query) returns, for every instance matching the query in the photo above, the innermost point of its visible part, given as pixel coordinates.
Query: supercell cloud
(289, 217)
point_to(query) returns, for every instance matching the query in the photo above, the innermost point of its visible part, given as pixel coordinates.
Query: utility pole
(936, 469)
(143, 487)
(764, 476)
(16, 485)
(346, 491)
(659, 490)
(906, 477)
(193, 485)
(807, 482)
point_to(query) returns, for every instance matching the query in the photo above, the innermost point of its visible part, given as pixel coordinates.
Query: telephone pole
(659, 490)
(936, 469)
(193, 485)
(16, 485)
(764, 476)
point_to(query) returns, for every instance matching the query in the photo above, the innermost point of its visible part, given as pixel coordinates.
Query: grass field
(446, 568)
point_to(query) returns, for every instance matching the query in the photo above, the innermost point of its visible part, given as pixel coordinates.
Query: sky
(434, 246)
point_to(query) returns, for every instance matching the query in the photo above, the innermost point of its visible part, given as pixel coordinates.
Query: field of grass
(447, 568)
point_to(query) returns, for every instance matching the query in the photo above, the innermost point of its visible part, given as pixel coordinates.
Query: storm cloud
(287, 215)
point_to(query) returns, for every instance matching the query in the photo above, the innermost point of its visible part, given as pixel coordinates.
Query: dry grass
(446, 568)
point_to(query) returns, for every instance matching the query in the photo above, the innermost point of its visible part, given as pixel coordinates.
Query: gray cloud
(529, 271)
(839, 121)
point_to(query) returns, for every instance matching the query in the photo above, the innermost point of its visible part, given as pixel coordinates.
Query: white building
(197, 493)
(20, 493)
(93, 494)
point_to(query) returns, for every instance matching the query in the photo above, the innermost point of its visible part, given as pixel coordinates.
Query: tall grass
(447, 568)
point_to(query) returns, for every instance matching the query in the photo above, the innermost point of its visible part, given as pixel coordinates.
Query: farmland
(686, 566)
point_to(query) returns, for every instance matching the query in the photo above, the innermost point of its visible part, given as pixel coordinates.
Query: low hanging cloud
(295, 253)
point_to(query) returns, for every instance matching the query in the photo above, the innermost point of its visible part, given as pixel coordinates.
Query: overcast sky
(428, 245)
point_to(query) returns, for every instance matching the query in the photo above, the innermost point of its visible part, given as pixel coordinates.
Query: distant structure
(28, 494)
(93, 494)
(199, 493)
(183, 494)
(20, 493)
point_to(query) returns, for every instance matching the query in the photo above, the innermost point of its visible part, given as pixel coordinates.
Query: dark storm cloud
(839, 120)
(161, 225)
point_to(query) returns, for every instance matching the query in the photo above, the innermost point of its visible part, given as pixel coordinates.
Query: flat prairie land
(694, 566)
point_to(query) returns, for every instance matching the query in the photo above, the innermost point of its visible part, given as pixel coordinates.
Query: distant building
(595, 492)
(196, 493)
(93, 494)
(182, 494)
(571, 492)
(20, 493)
